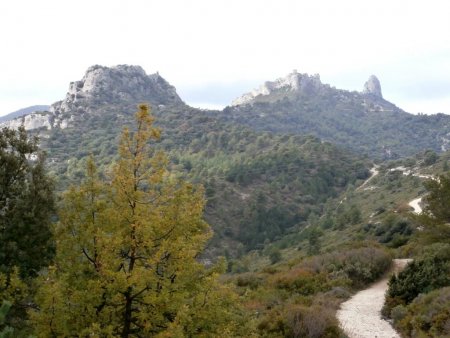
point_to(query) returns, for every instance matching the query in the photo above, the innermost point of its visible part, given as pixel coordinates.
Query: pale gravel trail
(360, 316)
(374, 172)
(415, 204)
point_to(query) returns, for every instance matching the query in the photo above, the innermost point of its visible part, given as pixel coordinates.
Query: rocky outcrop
(373, 87)
(24, 111)
(293, 82)
(117, 84)
(31, 121)
(100, 85)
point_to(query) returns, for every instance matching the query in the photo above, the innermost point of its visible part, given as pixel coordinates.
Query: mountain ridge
(296, 104)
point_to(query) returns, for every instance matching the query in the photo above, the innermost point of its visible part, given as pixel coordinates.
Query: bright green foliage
(127, 255)
(26, 204)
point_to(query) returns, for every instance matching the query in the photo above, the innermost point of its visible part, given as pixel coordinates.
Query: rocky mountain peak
(372, 86)
(293, 82)
(122, 83)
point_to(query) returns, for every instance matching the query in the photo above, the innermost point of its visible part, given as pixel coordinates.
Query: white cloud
(48, 43)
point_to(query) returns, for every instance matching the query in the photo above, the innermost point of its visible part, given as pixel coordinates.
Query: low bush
(360, 265)
(300, 321)
(430, 271)
(250, 280)
(302, 282)
(315, 321)
(427, 316)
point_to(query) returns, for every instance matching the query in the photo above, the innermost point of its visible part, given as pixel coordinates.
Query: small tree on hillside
(436, 214)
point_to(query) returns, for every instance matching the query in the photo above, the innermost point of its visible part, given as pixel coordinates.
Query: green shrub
(249, 280)
(428, 272)
(427, 316)
(360, 265)
(315, 321)
(275, 256)
(302, 282)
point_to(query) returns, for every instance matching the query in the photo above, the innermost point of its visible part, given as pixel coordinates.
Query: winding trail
(415, 204)
(360, 316)
(374, 172)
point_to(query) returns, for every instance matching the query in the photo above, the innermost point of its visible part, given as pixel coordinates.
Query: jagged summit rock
(122, 83)
(372, 86)
(294, 82)
(118, 86)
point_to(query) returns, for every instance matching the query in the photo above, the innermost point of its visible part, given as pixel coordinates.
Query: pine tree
(6, 331)
(127, 254)
(436, 216)
(26, 204)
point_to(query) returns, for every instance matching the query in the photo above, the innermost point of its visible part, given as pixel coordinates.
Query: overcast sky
(212, 50)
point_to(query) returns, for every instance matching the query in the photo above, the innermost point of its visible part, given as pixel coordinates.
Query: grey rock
(115, 85)
(293, 82)
(31, 121)
(373, 87)
(122, 83)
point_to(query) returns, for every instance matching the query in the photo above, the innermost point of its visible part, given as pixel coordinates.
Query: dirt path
(360, 316)
(415, 204)
(374, 172)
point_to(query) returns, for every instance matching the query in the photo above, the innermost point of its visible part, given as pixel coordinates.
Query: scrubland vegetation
(211, 230)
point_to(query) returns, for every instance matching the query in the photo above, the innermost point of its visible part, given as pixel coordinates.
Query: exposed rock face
(31, 121)
(294, 81)
(100, 85)
(372, 86)
(121, 83)
(23, 111)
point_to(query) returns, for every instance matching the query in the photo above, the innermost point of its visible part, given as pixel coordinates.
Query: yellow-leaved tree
(127, 255)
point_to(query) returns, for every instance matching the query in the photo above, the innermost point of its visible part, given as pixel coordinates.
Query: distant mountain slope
(259, 186)
(364, 122)
(22, 112)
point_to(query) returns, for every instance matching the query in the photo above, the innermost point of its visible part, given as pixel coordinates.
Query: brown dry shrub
(315, 321)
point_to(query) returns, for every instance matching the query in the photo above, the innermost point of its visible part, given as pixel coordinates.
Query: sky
(213, 51)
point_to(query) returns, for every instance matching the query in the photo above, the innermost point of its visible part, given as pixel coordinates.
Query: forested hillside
(362, 122)
(246, 222)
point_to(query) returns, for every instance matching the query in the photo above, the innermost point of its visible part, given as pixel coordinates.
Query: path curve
(373, 172)
(415, 204)
(360, 316)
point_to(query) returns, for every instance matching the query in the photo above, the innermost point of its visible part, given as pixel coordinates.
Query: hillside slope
(259, 185)
(360, 121)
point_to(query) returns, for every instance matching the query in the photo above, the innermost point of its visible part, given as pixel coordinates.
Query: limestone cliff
(119, 85)
(373, 87)
(293, 82)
